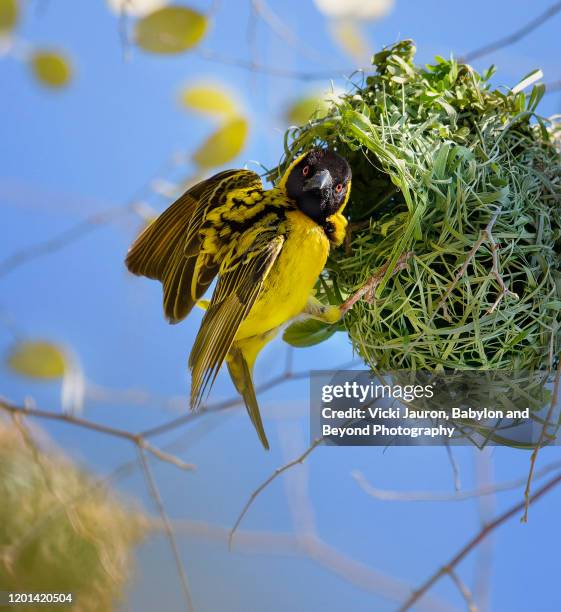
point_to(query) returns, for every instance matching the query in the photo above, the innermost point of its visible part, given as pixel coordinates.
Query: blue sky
(95, 146)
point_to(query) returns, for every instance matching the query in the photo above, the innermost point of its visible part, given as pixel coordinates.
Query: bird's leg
(333, 314)
(367, 290)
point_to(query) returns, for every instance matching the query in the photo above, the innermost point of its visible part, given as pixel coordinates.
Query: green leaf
(209, 99)
(9, 11)
(37, 359)
(536, 95)
(223, 145)
(171, 29)
(51, 69)
(308, 332)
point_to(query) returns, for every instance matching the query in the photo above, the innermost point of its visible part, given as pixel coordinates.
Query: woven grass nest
(60, 531)
(468, 178)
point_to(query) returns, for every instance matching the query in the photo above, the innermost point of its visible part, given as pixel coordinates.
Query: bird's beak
(318, 182)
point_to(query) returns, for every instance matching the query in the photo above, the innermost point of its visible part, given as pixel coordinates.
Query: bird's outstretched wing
(169, 248)
(235, 294)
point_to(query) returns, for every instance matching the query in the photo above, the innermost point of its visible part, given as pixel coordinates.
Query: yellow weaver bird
(267, 249)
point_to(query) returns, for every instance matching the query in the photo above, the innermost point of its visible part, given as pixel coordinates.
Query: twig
(283, 73)
(455, 468)
(81, 229)
(251, 38)
(479, 537)
(496, 273)
(225, 405)
(291, 436)
(155, 493)
(286, 33)
(124, 29)
(367, 290)
(464, 591)
(267, 482)
(429, 496)
(136, 439)
(517, 35)
(289, 360)
(487, 507)
(553, 86)
(356, 573)
(540, 442)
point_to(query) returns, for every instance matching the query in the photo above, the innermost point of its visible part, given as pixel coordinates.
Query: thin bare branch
(455, 468)
(291, 437)
(541, 441)
(232, 402)
(51, 245)
(137, 439)
(475, 541)
(273, 71)
(464, 591)
(85, 226)
(457, 496)
(553, 87)
(515, 36)
(156, 496)
(124, 34)
(283, 31)
(269, 480)
(309, 546)
(486, 508)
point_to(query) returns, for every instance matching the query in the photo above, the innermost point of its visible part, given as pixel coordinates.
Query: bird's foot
(368, 290)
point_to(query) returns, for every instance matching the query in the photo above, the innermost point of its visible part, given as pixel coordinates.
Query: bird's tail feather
(241, 376)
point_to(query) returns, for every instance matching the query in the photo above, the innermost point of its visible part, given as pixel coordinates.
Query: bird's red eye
(339, 187)
(306, 170)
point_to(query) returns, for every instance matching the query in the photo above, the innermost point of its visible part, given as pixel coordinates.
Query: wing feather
(233, 298)
(169, 248)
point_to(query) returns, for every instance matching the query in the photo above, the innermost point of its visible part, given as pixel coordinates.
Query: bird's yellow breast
(292, 277)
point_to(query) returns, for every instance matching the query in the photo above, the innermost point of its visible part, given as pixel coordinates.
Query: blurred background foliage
(108, 111)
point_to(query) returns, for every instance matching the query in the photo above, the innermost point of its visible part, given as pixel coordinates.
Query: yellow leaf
(223, 145)
(171, 29)
(8, 15)
(37, 359)
(208, 99)
(349, 36)
(303, 109)
(51, 69)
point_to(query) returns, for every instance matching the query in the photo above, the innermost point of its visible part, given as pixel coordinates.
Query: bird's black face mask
(319, 184)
